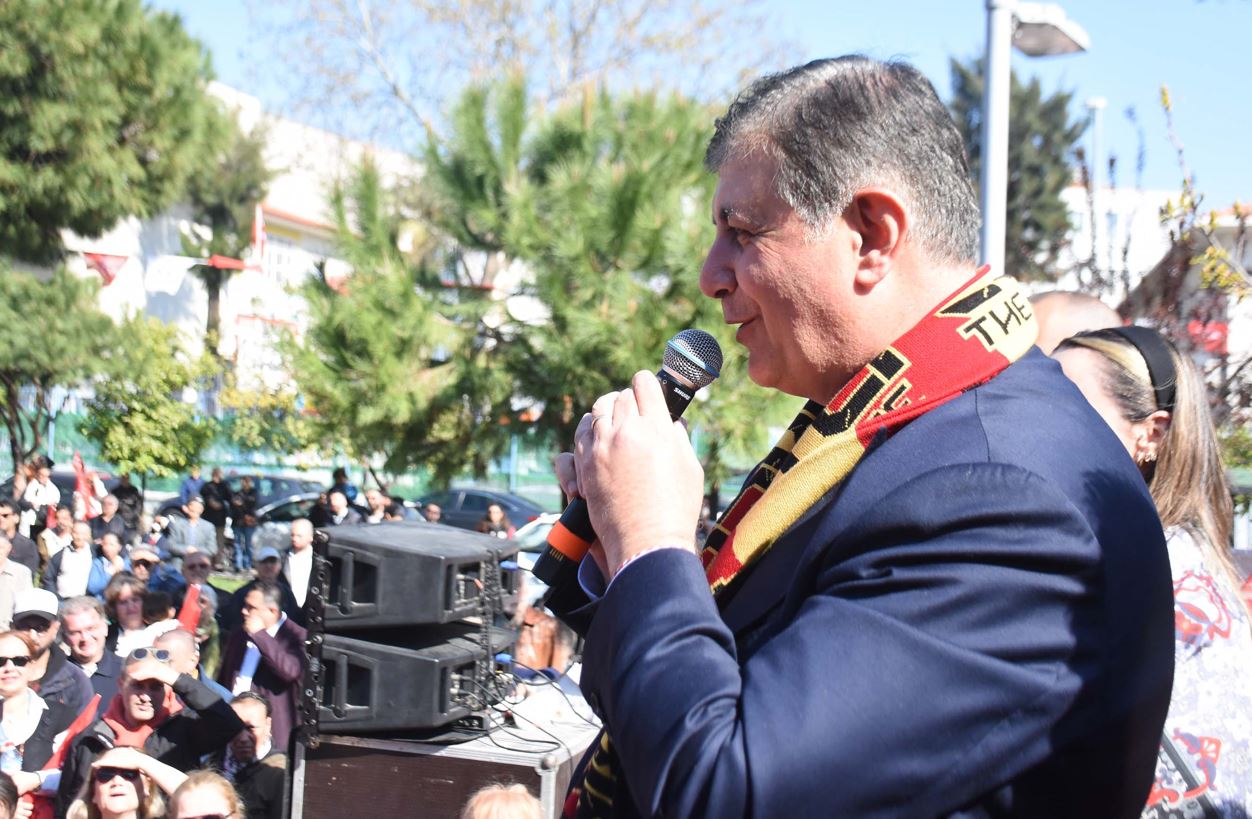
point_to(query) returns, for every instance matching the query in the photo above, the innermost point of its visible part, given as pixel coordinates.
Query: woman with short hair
(123, 601)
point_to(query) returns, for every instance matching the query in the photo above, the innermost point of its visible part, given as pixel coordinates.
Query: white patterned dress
(1204, 768)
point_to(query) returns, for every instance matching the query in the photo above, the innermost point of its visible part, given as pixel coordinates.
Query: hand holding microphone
(636, 467)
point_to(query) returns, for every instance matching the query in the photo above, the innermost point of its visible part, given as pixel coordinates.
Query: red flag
(1211, 335)
(82, 487)
(225, 263)
(189, 614)
(258, 238)
(106, 265)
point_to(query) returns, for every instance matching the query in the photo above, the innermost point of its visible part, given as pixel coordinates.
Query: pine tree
(1042, 142)
(382, 372)
(103, 115)
(604, 205)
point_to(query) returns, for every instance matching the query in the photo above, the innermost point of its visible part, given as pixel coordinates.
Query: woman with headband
(1154, 400)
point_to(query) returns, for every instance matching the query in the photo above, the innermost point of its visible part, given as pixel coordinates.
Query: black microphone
(692, 360)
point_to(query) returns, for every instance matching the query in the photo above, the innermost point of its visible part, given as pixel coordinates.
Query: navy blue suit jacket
(976, 623)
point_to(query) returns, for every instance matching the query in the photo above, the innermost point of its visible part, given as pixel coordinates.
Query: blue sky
(1197, 47)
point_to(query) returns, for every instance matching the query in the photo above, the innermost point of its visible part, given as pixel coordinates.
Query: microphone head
(695, 356)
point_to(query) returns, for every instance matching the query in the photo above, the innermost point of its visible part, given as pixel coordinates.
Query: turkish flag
(106, 265)
(189, 614)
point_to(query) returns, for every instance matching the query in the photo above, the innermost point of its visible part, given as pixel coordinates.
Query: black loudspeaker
(411, 678)
(398, 574)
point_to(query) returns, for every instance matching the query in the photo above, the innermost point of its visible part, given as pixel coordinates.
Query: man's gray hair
(78, 605)
(837, 126)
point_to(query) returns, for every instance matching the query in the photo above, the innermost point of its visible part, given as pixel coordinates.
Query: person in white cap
(52, 676)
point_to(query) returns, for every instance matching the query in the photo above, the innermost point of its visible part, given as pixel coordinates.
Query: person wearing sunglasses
(126, 784)
(206, 795)
(30, 726)
(51, 674)
(170, 716)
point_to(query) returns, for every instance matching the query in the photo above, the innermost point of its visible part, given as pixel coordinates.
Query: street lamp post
(1036, 29)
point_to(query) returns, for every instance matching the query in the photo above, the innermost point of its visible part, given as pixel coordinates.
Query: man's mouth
(743, 326)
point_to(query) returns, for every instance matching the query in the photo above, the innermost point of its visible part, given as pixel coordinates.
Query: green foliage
(1236, 443)
(224, 196)
(51, 335)
(382, 371)
(103, 115)
(137, 417)
(1042, 140)
(605, 204)
(264, 420)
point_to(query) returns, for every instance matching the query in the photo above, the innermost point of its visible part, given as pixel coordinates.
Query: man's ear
(880, 219)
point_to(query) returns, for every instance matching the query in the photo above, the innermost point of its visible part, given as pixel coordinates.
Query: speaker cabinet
(398, 574)
(404, 679)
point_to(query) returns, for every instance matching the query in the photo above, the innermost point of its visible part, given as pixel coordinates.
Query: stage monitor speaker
(407, 679)
(399, 574)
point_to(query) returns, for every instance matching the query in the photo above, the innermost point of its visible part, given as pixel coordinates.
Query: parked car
(532, 540)
(273, 517)
(465, 508)
(269, 489)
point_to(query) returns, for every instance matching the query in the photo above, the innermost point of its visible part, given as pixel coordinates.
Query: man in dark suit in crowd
(268, 569)
(256, 766)
(341, 512)
(266, 656)
(945, 593)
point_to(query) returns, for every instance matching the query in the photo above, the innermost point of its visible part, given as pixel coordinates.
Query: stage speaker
(414, 573)
(405, 679)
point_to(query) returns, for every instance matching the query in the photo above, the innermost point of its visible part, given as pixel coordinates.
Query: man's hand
(150, 668)
(253, 623)
(638, 472)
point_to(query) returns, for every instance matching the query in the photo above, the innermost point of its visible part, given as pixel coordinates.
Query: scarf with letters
(972, 335)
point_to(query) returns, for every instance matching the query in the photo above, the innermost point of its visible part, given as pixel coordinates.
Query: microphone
(692, 360)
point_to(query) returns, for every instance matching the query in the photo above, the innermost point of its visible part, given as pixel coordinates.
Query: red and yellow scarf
(973, 334)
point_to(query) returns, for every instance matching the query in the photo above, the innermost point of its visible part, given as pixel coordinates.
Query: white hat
(36, 601)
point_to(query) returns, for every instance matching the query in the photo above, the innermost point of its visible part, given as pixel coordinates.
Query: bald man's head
(301, 534)
(1062, 314)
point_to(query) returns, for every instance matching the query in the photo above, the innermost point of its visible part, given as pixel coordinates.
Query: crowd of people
(132, 685)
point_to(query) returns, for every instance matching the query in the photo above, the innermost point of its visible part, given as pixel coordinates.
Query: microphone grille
(695, 355)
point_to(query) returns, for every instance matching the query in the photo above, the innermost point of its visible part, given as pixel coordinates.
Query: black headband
(1154, 349)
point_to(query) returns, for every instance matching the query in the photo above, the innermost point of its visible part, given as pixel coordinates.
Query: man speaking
(945, 591)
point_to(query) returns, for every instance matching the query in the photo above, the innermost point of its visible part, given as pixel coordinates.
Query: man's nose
(717, 276)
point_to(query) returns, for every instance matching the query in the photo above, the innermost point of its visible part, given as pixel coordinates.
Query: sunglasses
(158, 654)
(37, 624)
(104, 775)
(18, 662)
(143, 564)
(197, 567)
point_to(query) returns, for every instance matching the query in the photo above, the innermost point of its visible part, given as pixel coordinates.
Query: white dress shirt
(299, 568)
